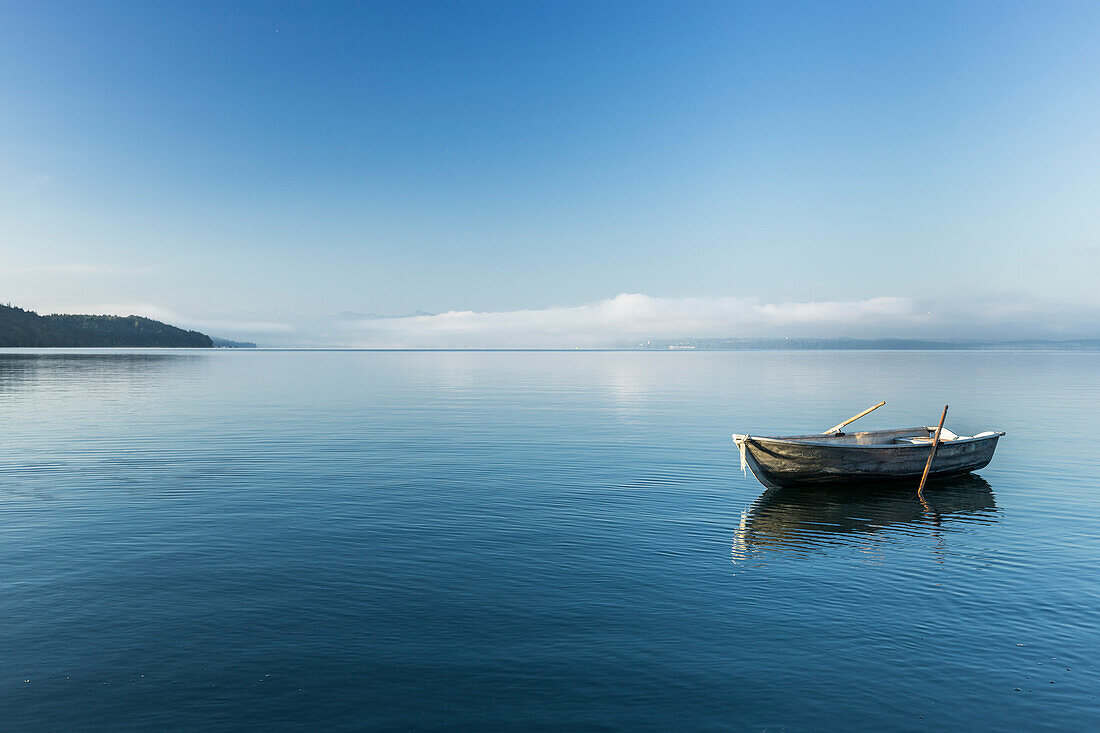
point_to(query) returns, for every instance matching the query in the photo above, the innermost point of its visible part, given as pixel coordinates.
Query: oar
(935, 445)
(854, 418)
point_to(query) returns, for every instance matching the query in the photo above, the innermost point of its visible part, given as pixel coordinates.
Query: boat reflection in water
(807, 522)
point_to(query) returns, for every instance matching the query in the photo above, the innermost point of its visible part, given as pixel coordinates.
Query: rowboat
(872, 456)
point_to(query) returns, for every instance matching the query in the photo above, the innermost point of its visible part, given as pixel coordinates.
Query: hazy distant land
(220, 343)
(898, 344)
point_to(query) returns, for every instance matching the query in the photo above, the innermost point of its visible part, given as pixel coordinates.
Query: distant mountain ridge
(353, 316)
(23, 328)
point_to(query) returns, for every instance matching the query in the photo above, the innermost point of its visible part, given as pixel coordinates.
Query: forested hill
(26, 328)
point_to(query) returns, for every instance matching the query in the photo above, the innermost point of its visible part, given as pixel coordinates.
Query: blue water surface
(277, 540)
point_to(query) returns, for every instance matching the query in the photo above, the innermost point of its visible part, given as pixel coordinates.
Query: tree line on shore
(24, 328)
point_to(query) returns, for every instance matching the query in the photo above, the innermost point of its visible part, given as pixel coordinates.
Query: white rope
(740, 441)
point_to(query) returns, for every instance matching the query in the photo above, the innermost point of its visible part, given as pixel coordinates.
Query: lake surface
(537, 540)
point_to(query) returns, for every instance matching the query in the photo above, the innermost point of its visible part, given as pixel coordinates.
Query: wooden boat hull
(859, 458)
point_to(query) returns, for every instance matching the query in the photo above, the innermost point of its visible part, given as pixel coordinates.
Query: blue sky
(254, 169)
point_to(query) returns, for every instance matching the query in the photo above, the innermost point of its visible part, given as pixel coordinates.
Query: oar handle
(854, 418)
(932, 454)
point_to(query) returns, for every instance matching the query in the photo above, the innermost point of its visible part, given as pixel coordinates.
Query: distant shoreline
(969, 349)
(24, 329)
(882, 344)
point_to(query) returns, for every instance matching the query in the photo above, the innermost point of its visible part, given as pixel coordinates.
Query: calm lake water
(349, 540)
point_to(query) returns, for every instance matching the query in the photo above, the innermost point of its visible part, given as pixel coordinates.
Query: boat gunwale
(816, 439)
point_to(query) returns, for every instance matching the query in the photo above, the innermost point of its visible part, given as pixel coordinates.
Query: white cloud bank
(630, 317)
